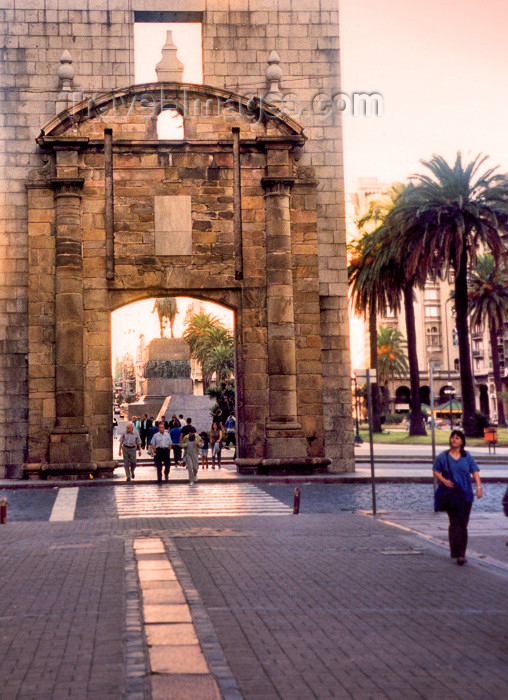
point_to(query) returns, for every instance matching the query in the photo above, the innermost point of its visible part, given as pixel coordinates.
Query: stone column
(69, 441)
(284, 436)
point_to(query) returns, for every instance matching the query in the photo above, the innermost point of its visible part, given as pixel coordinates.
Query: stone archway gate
(226, 214)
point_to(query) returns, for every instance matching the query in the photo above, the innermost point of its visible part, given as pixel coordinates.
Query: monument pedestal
(167, 373)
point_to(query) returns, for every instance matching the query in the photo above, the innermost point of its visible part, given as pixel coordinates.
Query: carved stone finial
(273, 74)
(66, 71)
(169, 68)
(65, 76)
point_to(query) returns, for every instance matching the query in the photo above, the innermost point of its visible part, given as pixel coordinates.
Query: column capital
(67, 185)
(277, 185)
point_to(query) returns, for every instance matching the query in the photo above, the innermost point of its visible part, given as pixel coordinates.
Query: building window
(456, 365)
(150, 33)
(432, 335)
(432, 311)
(431, 294)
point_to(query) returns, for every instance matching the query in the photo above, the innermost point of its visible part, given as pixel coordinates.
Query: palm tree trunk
(376, 403)
(496, 368)
(469, 422)
(416, 426)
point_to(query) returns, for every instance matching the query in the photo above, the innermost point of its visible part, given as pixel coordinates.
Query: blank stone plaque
(173, 225)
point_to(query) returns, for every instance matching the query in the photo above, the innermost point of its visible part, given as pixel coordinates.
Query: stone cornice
(283, 141)
(169, 95)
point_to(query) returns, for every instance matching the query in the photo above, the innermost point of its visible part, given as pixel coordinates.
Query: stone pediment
(132, 111)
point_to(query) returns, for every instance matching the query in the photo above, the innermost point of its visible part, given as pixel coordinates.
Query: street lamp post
(371, 376)
(450, 390)
(358, 437)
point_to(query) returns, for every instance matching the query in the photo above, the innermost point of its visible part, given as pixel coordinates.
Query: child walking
(204, 450)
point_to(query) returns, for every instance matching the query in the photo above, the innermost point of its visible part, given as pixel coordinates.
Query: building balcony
(477, 353)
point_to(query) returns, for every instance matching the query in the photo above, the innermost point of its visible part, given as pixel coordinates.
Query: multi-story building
(125, 376)
(435, 334)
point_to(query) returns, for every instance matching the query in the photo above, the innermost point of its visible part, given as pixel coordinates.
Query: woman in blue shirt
(459, 465)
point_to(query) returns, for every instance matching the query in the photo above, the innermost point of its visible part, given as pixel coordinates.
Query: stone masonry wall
(237, 37)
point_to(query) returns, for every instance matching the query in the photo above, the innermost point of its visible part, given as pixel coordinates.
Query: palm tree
(439, 226)
(367, 299)
(381, 270)
(391, 360)
(224, 395)
(212, 345)
(488, 299)
(166, 310)
(220, 361)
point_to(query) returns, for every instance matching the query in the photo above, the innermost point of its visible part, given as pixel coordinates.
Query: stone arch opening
(170, 125)
(226, 215)
(402, 399)
(155, 374)
(447, 393)
(425, 394)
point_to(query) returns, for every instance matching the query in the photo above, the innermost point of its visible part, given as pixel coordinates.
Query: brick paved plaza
(335, 605)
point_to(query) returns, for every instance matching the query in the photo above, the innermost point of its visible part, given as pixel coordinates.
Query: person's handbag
(505, 502)
(446, 498)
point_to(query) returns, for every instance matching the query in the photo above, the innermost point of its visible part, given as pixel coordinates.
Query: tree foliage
(439, 225)
(488, 301)
(392, 361)
(378, 281)
(224, 395)
(212, 345)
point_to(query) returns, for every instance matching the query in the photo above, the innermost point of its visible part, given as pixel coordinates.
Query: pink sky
(441, 67)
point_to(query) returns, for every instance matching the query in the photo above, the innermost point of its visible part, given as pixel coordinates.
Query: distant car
(116, 410)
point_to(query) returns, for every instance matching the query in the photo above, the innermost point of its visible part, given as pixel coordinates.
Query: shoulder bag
(446, 498)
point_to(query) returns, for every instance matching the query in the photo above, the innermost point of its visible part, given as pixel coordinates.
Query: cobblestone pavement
(336, 605)
(178, 499)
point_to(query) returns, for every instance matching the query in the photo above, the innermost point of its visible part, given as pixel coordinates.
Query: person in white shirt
(129, 441)
(161, 442)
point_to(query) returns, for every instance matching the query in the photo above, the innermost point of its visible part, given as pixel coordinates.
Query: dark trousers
(457, 530)
(143, 435)
(162, 457)
(177, 453)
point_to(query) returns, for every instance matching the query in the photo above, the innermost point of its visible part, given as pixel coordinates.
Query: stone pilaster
(284, 436)
(70, 448)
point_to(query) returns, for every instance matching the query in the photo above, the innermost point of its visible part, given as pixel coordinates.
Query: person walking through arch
(161, 441)
(175, 434)
(129, 442)
(216, 436)
(192, 443)
(230, 427)
(144, 430)
(453, 469)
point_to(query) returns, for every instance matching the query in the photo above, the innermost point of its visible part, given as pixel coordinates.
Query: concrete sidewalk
(314, 606)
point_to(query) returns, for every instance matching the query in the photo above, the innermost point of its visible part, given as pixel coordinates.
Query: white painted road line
(64, 506)
(202, 500)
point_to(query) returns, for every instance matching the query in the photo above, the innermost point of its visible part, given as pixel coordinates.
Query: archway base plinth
(305, 465)
(43, 471)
